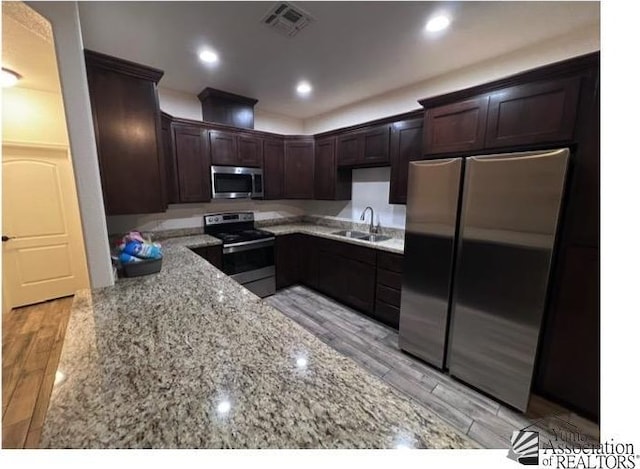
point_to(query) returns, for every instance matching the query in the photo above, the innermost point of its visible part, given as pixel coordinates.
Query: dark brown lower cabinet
(347, 273)
(343, 271)
(569, 359)
(388, 288)
(212, 254)
(308, 246)
(287, 260)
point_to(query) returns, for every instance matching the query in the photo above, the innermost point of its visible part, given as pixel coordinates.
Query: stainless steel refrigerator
(479, 240)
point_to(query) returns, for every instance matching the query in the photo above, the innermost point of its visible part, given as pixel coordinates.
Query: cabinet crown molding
(115, 64)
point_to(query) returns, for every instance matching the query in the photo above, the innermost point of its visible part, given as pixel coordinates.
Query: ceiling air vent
(287, 19)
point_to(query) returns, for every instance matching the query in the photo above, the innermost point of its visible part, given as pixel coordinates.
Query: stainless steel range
(247, 253)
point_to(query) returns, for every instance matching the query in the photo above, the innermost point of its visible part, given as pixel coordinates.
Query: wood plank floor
(32, 339)
(375, 347)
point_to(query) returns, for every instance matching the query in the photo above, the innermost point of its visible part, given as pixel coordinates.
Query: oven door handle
(248, 245)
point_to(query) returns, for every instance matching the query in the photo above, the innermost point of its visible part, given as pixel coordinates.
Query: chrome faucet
(372, 229)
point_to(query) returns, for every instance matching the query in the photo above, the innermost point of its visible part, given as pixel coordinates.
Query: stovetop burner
(233, 228)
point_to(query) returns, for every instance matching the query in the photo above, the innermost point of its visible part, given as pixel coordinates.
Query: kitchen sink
(351, 234)
(361, 235)
(375, 238)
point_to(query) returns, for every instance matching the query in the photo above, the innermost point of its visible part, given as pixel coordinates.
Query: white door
(43, 249)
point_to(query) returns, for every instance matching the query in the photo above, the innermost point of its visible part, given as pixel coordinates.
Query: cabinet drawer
(390, 279)
(387, 314)
(388, 295)
(389, 261)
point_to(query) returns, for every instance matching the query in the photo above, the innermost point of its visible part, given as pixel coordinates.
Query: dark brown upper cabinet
(298, 169)
(191, 150)
(348, 149)
(224, 148)
(171, 169)
(222, 107)
(406, 146)
(249, 150)
(331, 183)
(533, 113)
(126, 118)
(363, 148)
(455, 127)
(375, 146)
(273, 169)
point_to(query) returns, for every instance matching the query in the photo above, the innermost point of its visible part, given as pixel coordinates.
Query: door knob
(5, 238)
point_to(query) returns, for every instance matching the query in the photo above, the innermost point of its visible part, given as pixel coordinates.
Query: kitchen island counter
(188, 358)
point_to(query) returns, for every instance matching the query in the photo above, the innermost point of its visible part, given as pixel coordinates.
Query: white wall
(370, 188)
(179, 103)
(33, 116)
(65, 24)
(406, 99)
(190, 215)
(277, 123)
(188, 106)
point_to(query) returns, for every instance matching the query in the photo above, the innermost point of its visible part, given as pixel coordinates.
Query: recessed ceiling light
(304, 88)
(208, 56)
(437, 23)
(8, 78)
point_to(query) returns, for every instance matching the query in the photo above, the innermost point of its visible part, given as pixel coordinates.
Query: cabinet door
(273, 169)
(569, 363)
(375, 146)
(406, 145)
(330, 274)
(456, 127)
(192, 159)
(349, 149)
(533, 113)
(126, 118)
(286, 258)
(171, 169)
(308, 261)
(212, 254)
(325, 169)
(224, 148)
(347, 273)
(298, 170)
(358, 285)
(250, 151)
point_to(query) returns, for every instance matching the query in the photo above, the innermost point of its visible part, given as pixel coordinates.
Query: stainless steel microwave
(232, 182)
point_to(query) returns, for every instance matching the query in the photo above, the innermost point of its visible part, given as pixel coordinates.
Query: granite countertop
(188, 358)
(395, 245)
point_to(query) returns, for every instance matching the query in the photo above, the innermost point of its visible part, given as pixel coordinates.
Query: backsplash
(182, 217)
(370, 187)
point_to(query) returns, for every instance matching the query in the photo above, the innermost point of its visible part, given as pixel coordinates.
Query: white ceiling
(353, 50)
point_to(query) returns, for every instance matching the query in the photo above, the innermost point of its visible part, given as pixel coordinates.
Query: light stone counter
(188, 358)
(395, 245)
